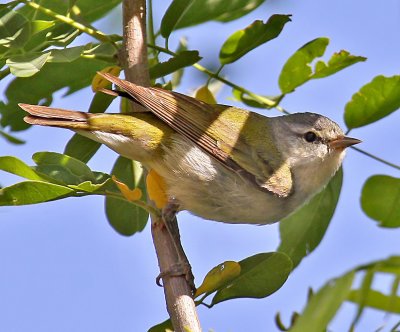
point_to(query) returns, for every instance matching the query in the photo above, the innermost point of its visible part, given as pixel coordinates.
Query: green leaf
(376, 300)
(52, 78)
(183, 59)
(28, 64)
(337, 62)
(256, 34)
(177, 75)
(60, 7)
(66, 54)
(33, 192)
(171, 17)
(260, 276)
(40, 25)
(103, 51)
(124, 217)
(61, 35)
(302, 231)
(14, 29)
(364, 290)
(216, 10)
(12, 116)
(40, 88)
(323, 305)
(10, 138)
(92, 10)
(10, 4)
(89, 10)
(390, 265)
(380, 200)
(81, 148)
(298, 68)
(15, 166)
(89, 187)
(374, 101)
(162, 327)
(256, 102)
(218, 277)
(100, 102)
(75, 166)
(59, 174)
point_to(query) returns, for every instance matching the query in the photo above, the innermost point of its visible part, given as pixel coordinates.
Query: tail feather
(55, 117)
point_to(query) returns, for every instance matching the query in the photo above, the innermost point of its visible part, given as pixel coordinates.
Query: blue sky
(64, 269)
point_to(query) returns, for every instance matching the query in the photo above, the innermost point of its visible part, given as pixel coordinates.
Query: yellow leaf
(219, 276)
(204, 94)
(130, 195)
(99, 82)
(157, 189)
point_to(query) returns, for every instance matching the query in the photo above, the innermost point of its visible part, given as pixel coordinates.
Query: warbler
(219, 162)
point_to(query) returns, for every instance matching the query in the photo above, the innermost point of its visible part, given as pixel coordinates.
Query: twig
(383, 161)
(178, 293)
(83, 28)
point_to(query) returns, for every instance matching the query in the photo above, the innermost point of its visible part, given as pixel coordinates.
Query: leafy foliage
(303, 231)
(184, 13)
(124, 217)
(374, 101)
(56, 176)
(256, 34)
(260, 276)
(297, 70)
(181, 60)
(380, 200)
(323, 305)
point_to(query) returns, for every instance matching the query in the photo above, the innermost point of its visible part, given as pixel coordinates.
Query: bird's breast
(208, 189)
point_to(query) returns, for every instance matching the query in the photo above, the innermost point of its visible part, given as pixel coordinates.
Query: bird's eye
(310, 136)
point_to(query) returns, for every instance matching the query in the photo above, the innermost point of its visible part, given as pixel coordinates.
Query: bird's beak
(343, 142)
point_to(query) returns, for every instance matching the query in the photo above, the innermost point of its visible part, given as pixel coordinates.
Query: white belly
(203, 186)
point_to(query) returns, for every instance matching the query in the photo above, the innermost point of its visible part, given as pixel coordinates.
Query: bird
(218, 162)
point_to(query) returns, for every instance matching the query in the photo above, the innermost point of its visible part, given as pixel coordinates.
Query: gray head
(306, 138)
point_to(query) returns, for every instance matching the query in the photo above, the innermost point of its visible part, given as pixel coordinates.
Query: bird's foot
(182, 267)
(178, 270)
(170, 210)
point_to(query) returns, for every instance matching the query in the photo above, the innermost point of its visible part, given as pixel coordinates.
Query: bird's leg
(157, 191)
(183, 266)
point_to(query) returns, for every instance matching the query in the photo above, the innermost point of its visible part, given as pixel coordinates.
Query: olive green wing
(236, 137)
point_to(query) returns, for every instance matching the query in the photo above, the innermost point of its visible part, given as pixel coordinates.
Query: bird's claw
(178, 270)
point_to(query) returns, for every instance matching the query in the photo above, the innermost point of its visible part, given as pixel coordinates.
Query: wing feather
(218, 130)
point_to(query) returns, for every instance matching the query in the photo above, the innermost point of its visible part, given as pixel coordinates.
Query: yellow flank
(144, 128)
(156, 189)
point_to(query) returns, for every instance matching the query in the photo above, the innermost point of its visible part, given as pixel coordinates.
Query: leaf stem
(5, 72)
(143, 205)
(383, 161)
(150, 24)
(90, 31)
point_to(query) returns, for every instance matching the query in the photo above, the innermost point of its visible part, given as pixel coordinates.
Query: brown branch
(170, 255)
(134, 51)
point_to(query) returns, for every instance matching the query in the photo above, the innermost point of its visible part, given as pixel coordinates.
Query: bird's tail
(56, 117)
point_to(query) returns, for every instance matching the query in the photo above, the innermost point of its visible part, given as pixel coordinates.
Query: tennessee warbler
(219, 162)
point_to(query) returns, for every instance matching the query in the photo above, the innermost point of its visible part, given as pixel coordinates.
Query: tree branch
(177, 290)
